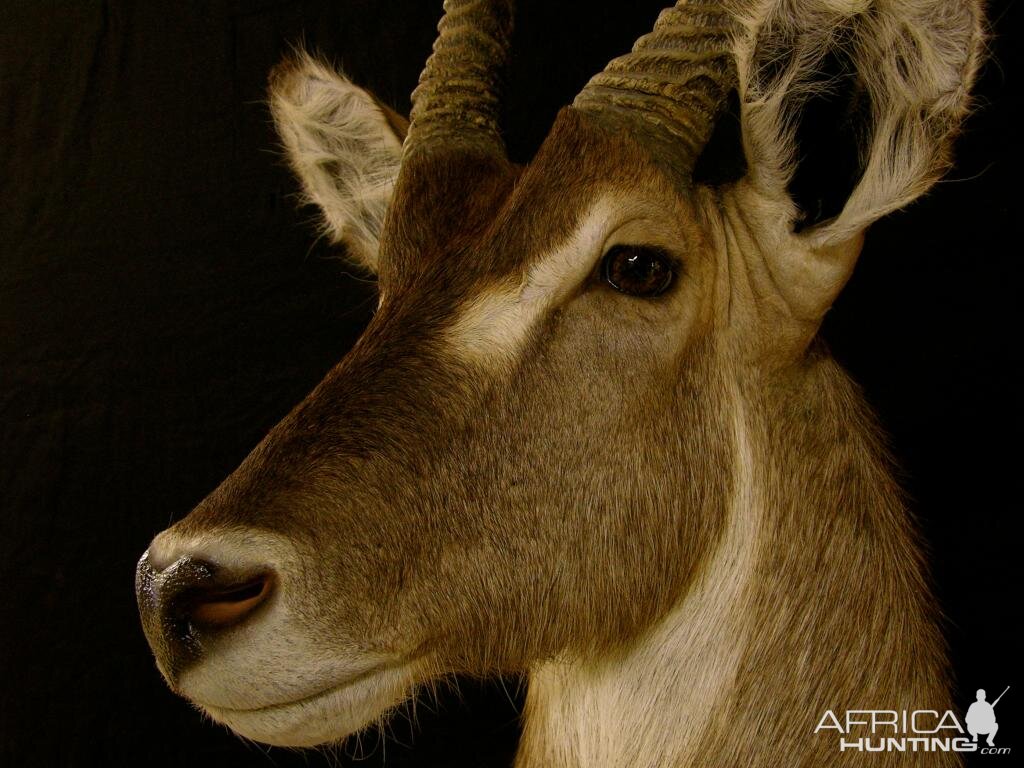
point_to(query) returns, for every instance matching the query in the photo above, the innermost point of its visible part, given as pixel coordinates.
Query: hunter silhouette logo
(981, 717)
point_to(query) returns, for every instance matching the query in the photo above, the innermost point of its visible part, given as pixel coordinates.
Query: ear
(908, 66)
(345, 147)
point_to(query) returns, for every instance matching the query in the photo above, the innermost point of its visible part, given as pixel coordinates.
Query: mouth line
(323, 692)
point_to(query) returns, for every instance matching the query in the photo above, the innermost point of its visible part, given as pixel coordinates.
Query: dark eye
(637, 270)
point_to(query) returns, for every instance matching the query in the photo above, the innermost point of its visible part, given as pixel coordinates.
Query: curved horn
(457, 98)
(675, 80)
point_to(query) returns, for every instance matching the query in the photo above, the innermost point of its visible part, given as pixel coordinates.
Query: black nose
(191, 601)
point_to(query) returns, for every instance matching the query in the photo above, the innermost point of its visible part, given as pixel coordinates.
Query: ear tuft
(915, 62)
(344, 146)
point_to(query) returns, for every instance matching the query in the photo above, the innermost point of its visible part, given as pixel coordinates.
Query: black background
(163, 302)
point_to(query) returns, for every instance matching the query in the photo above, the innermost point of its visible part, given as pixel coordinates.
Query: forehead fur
(474, 219)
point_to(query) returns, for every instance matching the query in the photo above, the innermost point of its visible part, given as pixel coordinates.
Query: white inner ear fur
(343, 149)
(916, 60)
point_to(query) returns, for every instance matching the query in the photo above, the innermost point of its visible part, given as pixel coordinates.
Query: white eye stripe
(564, 267)
(494, 326)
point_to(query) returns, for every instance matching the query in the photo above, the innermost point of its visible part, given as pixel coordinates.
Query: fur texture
(675, 513)
(915, 62)
(344, 146)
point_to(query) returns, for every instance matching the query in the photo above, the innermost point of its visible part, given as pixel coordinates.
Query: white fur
(652, 705)
(495, 324)
(916, 59)
(330, 714)
(270, 679)
(343, 150)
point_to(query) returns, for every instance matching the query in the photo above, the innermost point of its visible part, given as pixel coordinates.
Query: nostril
(187, 603)
(216, 607)
(198, 595)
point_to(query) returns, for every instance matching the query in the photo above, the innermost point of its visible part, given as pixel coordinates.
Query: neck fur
(813, 599)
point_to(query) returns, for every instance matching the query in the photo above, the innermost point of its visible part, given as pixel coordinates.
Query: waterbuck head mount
(551, 424)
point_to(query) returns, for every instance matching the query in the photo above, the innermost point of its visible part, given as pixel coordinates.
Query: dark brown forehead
(459, 219)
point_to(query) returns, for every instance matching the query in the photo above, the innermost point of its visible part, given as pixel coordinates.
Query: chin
(321, 718)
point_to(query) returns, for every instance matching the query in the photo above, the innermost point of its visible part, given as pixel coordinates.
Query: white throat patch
(653, 706)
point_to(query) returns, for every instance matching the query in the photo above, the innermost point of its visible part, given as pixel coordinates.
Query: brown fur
(557, 506)
(400, 426)
(843, 617)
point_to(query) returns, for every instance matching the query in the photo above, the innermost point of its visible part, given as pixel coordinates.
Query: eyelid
(675, 262)
(636, 231)
(611, 264)
(570, 268)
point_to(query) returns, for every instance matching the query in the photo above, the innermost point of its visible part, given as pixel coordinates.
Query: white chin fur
(324, 717)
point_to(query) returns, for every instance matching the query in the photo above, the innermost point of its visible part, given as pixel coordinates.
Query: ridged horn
(674, 81)
(458, 96)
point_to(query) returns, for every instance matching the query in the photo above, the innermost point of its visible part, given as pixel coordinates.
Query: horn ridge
(675, 80)
(458, 95)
